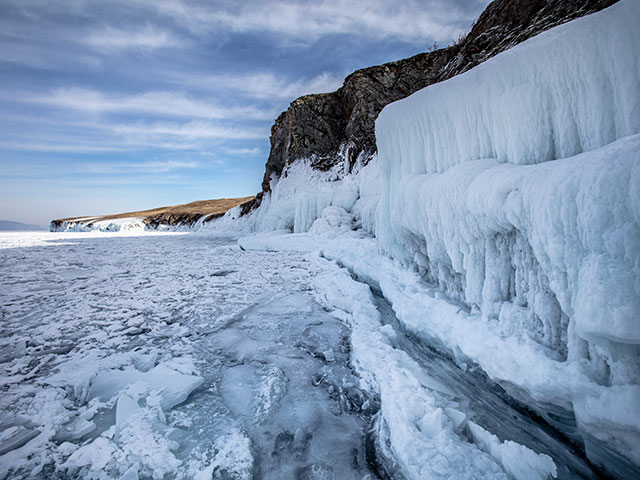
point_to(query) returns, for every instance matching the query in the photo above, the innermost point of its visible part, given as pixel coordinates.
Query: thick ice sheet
(548, 250)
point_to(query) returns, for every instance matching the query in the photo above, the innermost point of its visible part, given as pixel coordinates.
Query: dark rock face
(177, 219)
(318, 126)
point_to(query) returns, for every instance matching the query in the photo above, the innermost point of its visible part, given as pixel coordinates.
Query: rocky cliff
(331, 126)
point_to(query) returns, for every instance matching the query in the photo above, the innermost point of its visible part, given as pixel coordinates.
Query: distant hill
(186, 214)
(7, 226)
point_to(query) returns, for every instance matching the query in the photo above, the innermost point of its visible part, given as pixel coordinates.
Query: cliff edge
(330, 127)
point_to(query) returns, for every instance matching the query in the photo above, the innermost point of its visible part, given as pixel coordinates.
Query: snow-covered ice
(144, 355)
(187, 356)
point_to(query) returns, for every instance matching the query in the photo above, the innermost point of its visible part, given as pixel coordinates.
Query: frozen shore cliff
(486, 197)
(512, 187)
(332, 127)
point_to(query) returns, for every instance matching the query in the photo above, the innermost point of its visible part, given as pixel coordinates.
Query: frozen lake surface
(96, 329)
(184, 356)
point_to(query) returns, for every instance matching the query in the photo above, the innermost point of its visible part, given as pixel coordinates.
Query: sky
(121, 105)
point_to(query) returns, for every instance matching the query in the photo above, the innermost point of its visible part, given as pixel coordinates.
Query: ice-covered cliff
(507, 187)
(513, 189)
(333, 129)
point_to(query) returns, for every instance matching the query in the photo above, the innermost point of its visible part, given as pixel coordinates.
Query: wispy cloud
(197, 130)
(105, 135)
(155, 167)
(147, 38)
(301, 21)
(244, 151)
(265, 85)
(43, 57)
(163, 103)
(410, 20)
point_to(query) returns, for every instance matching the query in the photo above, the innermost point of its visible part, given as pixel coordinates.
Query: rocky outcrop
(321, 126)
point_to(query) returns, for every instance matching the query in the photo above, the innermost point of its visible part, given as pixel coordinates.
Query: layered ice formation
(516, 188)
(512, 192)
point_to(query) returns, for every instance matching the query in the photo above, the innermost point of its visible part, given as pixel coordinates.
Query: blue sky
(109, 106)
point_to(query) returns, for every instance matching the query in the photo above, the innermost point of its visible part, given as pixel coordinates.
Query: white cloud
(410, 20)
(190, 131)
(244, 151)
(137, 167)
(60, 135)
(163, 103)
(111, 39)
(44, 57)
(268, 85)
(301, 21)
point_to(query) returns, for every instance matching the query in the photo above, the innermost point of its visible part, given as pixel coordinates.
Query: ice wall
(484, 189)
(568, 90)
(366, 207)
(302, 192)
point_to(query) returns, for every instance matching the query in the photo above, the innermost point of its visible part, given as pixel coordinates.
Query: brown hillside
(187, 213)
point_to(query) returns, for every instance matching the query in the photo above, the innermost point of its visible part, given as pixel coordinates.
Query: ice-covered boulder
(333, 220)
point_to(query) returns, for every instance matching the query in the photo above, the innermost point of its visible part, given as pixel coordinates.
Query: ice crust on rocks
(516, 188)
(571, 89)
(509, 199)
(115, 225)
